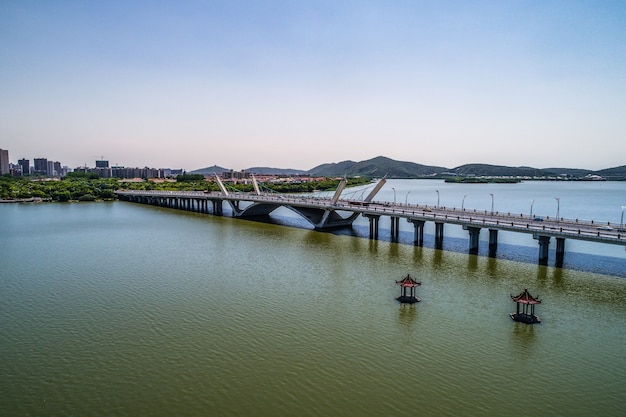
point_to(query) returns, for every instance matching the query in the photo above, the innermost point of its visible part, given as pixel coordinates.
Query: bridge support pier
(560, 252)
(217, 207)
(544, 244)
(474, 233)
(373, 218)
(438, 235)
(395, 228)
(418, 235)
(493, 242)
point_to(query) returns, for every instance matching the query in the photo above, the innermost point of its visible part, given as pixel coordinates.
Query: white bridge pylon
(321, 218)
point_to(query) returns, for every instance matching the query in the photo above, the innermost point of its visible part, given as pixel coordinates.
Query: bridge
(333, 212)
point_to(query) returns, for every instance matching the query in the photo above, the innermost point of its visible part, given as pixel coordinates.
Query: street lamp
(406, 199)
(437, 191)
(558, 207)
(621, 223)
(491, 194)
(531, 209)
(394, 195)
(463, 203)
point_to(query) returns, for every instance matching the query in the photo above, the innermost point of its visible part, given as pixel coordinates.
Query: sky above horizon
(295, 84)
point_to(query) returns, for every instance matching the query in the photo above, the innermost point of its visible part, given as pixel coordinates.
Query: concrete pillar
(373, 218)
(395, 227)
(493, 242)
(560, 252)
(438, 235)
(217, 207)
(474, 234)
(418, 236)
(544, 244)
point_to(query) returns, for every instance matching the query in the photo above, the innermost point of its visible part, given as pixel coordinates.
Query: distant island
(472, 173)
(482, 180)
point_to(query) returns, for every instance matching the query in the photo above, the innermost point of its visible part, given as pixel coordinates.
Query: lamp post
(491, 194)
(531, 209)
(394, 195)
(406, 199)
(621, 222)
(558, 207)
(437, 191)
(463, 203)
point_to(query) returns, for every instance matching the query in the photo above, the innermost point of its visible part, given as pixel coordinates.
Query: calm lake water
(124, 309)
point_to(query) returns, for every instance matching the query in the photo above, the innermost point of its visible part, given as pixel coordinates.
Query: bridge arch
(320, 218)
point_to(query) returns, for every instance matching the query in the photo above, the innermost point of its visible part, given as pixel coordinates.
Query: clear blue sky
(293, 84)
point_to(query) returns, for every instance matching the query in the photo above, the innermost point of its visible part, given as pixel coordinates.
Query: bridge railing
(536, 222)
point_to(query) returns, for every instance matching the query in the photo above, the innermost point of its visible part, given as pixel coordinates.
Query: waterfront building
(41, 166)
(103, 172)
(235, 175)
(25, 164)
(4, 161)
(145, 173)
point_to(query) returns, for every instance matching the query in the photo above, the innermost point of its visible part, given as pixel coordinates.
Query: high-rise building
(50, 169)
(102, 164)
(25, 164)
(41, 166)
(4, 161)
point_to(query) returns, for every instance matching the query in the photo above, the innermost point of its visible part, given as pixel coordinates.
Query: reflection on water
(472, 262)
(407, 313)
(149, 311)
(523, 337)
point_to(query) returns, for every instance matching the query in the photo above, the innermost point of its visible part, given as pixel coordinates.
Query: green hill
(376, 168)
(380, 166)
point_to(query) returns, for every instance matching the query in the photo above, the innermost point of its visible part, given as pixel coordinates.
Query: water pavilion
(408, 283)
(525, 302)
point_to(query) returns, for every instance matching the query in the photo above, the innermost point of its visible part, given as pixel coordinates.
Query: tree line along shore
(90, 187)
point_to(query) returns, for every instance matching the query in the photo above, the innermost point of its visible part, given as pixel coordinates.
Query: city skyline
(296, 85)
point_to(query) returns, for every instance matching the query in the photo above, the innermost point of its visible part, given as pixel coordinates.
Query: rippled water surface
(122, 309)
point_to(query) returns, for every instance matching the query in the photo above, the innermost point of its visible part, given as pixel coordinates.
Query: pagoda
(410, 284)
(525, 311)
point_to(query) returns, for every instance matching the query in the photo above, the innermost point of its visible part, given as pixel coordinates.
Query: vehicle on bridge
(359, 203)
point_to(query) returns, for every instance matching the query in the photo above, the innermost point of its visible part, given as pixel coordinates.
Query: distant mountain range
(381, 166)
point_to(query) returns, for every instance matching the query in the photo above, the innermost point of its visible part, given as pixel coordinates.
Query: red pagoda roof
(525, 298)
(408, 282)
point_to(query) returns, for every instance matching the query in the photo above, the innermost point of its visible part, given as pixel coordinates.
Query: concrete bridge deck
(327, 213)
